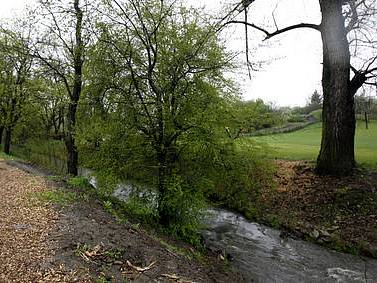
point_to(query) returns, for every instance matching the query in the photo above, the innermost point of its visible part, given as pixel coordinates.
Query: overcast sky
(294, 71)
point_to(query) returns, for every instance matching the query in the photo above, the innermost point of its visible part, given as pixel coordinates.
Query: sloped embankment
(80, 242)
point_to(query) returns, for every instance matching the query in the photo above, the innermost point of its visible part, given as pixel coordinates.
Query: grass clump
(79, 182)
(60, 197)
(4, 156)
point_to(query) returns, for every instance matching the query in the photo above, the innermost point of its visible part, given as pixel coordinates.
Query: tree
(316, 98)
(61, 50)
(52, 102)
(16, 65)
(364, 107)
(167, 66)
(344, 25)
(314, 103)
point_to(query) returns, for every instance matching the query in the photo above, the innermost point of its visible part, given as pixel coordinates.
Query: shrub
(185, 207)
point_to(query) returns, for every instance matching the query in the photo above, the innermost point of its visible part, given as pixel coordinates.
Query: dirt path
(25, 229)
(41, 242)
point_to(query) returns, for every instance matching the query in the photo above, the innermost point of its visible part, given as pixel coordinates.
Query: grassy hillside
(304, 144)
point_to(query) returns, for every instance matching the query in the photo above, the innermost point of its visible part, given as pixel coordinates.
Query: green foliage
(156, 114)
(79, 182)
(4, 156)
(81, 249)
(108, 206)
(253, 115)
(184, 206)
(240, 171)
(141, 211)
(143, 126)
(296, 119)
(49, 154)
(63, 198)
(317, 114)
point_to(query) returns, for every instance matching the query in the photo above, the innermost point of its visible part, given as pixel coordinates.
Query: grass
(63, 198)
(4, 156)
(304, 144)
(317, 114)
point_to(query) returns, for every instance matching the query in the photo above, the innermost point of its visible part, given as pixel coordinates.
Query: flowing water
(263, 256)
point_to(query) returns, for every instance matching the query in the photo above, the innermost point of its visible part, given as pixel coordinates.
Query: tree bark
(7, 141)
(337, 155)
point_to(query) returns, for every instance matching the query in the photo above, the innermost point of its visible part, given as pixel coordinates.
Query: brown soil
(340, 212)
(41, 242)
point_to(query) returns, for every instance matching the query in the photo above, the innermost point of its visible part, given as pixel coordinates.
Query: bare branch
(277, 32)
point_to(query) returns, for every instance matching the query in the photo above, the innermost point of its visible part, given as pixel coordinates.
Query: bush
(185, 207)
(297, 119)
(231, 174)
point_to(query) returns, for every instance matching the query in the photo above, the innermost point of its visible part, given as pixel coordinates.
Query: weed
(63, 198)
(108, 206)
(113, 254)
(81, 249)
(79, 182)
(55, 178)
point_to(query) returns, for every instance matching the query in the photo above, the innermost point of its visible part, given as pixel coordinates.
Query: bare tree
(346, 26)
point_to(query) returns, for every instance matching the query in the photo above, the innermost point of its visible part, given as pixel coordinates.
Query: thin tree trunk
(72, 159)
(163, 212)
(7, 140)
(72, 162)
(366, 119)
(337, 147)
(1, 133)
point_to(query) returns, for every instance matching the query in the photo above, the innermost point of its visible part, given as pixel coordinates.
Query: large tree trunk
(7, 140)
(338, 131)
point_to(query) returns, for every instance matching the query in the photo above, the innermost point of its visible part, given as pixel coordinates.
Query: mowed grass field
(304, 144)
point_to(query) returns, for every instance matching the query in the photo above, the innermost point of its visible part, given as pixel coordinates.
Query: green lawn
(304, 144)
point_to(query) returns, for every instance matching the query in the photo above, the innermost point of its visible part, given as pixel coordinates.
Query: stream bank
(262, 254)
(51, 233)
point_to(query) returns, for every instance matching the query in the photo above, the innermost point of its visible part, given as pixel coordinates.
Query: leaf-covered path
(42, 242)
(25, 229)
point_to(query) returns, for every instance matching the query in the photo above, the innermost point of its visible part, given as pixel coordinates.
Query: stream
(263, 256)
(259, 253)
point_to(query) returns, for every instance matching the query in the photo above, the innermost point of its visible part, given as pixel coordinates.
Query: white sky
(295, 70)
